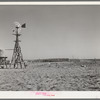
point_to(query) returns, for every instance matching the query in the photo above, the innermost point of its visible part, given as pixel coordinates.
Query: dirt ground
(53, 76)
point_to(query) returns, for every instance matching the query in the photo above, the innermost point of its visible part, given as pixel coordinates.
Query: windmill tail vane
(23, 25)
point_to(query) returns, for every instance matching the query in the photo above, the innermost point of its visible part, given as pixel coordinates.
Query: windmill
(17, 57)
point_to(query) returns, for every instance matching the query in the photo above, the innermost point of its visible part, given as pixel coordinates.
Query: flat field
(83, 75)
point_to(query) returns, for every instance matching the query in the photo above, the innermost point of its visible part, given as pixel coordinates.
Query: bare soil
(53, 76)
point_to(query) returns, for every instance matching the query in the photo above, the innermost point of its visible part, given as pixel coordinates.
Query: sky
(52, 31)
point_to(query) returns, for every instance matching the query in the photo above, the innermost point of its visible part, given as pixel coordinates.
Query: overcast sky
(52, 31)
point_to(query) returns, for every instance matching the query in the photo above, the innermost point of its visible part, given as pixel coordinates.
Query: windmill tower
(17, 57)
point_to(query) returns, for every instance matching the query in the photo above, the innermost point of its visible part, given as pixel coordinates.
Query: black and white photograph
(49, 47)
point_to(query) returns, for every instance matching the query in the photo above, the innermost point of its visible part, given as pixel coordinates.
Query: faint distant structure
(17, 57)
(1, 52)
(3, 61)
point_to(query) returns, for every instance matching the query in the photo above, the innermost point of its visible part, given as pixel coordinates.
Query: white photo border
(52, 94)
